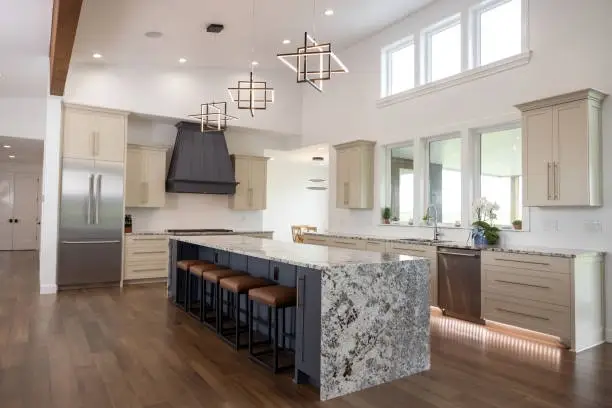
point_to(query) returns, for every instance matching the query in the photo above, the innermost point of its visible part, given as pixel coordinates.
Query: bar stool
(212, 276)
(278, 298)
(236, 286)
(182, 274)
(196, 271)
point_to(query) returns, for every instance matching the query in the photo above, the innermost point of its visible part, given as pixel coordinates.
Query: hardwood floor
(133, 349)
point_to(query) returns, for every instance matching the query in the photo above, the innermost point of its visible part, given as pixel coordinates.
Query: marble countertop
(309, 256)
(527, 250)
(135, 233)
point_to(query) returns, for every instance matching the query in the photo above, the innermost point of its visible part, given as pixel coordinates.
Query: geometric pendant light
(213, 116)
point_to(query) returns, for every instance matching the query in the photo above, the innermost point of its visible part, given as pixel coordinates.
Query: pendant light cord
(314, 18)
(254, 39)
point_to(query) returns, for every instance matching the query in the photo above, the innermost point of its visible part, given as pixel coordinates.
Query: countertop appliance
(459, 283)
(195, 231)
(91, 223)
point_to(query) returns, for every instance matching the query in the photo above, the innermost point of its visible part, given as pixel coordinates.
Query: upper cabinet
(145, 177)
(562, 141)
(355, 175)
(251, 175)
(94, 134)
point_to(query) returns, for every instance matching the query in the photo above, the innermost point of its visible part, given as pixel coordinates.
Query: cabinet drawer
(347, 243)
(145, 272)
(156, 260)
(414, 250)
(527, 314)
(376, 246)
(532, 262)
(146, 247)
(315, 241)
(534, 285)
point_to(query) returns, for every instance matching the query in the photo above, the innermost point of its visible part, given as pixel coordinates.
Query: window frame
(388, 182)
(475, 14)
(425, 170)
(426, 36)
(387, 66)
(476, 163)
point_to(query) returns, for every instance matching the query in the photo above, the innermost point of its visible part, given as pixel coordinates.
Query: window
(399, 61)
(444, 182)
(498, 30)
(402, 183)
(501, 173)
(443, 50)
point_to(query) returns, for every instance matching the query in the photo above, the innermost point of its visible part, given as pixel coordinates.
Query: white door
(79, 134)
(110, 137)
(6, 212)
(25, 212)
(538, 166)
(258, 184)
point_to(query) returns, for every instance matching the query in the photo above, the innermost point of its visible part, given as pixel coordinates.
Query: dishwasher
(459, 283)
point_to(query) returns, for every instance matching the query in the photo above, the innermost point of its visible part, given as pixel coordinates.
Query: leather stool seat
(188, 263)
(199, 269)
(275, 296)
(244, 283)
(215, 275)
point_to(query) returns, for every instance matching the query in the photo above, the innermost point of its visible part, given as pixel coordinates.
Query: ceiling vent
(214, 28)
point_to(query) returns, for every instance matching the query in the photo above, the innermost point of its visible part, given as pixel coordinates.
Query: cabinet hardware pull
(90, 242)
(557, 181)
(148, 269)
(521, 314)
(149, 252)
(90, 199)
(459, 254)
(522, 284)
(346, 193)
(525, 262)
(98, 198)
(345, 243)
(97, 143)
(409, 249)
(548, 181)
(148, 239)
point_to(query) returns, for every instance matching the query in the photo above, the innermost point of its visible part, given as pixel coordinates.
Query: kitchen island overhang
(362, 318)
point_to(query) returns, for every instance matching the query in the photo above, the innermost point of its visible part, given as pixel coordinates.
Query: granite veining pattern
(374, 325)
(527, 250)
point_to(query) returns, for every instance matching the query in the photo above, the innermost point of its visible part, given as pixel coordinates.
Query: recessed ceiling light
(7, 146)
(11, 156)
(286, 41)
(154, 34)
(182, 60)
(271, 158)
(329, 12)
(97, 56)
(254, 63)
(321, 148)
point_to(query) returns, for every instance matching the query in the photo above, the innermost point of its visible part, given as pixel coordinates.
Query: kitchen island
(362, 318)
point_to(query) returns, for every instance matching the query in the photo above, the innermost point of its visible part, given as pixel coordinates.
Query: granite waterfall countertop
(527, 250)
(309, 256)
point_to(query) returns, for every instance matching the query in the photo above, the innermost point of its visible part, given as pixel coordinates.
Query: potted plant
(517, 224)
(426, 218)
(386, 215)
(484, 216)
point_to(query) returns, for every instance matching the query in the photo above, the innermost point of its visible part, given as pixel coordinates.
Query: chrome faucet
(437, 234)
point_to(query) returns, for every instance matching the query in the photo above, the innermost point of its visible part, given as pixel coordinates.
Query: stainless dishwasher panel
(459, 283)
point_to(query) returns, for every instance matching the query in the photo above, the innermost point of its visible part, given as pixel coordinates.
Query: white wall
(570, 44)
(23, 117)
(289, 202)
(178, 93)
(201, 210)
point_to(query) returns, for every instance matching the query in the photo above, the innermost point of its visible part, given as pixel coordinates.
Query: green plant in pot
(517, 224)
(484, 216)
(386, 215)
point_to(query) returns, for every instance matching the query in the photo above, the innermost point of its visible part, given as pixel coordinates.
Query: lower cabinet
(308, 330)
(145, 257)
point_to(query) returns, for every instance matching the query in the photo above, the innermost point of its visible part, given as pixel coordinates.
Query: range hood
(200, 162)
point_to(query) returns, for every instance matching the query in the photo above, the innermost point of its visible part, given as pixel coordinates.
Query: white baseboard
(609, 335)
(48, 289)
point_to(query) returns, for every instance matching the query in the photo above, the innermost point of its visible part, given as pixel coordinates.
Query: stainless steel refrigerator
(91, 223)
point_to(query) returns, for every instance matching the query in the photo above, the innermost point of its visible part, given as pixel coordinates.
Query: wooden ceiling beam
(63, 32)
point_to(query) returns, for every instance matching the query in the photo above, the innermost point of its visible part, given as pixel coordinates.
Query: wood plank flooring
(109, 348)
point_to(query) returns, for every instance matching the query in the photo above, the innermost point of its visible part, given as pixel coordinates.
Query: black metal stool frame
(272, 341)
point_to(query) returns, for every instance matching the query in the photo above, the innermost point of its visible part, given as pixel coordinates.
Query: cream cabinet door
(538, 162)
(240, 200)
(355, 178)
(343, 178)
(571, 166)
(258, 186)
(79, 134)
(155, 177)
(134, 179)
(110, 137)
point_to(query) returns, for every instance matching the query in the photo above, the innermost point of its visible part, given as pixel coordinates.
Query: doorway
(20, 173)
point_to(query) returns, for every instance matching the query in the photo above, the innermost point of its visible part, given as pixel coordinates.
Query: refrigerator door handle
(90, 199)
(98, 197)
(90, 242)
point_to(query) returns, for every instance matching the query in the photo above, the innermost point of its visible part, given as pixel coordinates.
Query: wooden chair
(297, 232)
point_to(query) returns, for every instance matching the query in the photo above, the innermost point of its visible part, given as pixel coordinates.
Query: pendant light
(314, 62)
(213, 116)
(252, 95)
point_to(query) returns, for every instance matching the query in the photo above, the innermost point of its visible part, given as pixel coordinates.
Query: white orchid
(484, 210)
